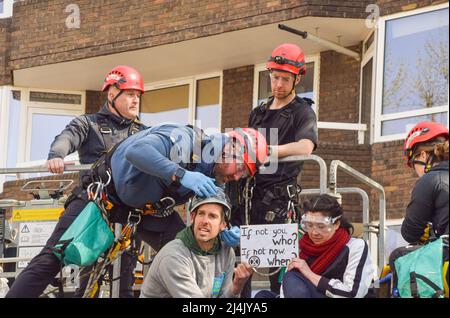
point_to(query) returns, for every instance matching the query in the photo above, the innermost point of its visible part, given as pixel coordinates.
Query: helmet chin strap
(113, 104)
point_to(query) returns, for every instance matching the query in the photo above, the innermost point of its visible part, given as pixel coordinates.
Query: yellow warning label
(37, 214)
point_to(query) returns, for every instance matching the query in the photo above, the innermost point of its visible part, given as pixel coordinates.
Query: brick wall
(5, 40)
(94, 101)
(390, 170)
(393, 6)
(237, 96)
(40, 35)
(357, 156)
(339, 94)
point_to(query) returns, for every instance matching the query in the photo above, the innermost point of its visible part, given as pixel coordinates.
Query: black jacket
(429, 203)
(290, 123)
(92, 134)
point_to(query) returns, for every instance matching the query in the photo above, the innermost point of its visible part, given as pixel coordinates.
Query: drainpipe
(334, 46)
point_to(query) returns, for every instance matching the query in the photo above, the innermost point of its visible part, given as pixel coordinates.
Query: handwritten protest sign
(269, 245)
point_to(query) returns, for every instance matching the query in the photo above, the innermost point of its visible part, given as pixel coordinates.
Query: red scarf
(324, 253)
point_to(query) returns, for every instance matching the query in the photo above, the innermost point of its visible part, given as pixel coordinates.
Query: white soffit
(203, 55)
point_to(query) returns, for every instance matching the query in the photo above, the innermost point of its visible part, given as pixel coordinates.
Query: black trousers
(43, 268)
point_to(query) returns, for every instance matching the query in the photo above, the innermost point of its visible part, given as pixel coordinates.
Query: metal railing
(323, 188)
(38, 169)
(322, 168)
(335, 164)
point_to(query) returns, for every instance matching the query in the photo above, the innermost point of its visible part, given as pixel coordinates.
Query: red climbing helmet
(124, 77)
(423, 131)
(255, 147)
(287, 57)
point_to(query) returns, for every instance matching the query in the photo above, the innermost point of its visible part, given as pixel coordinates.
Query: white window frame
(31, 107)
(192, 82)
(25, 121)
(308, 59)
(316, 97)
(367, 55)
(378, 116)
(373, 239)
(4, 118)
(7, 9)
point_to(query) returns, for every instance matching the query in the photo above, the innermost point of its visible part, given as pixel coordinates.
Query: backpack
(419, 273)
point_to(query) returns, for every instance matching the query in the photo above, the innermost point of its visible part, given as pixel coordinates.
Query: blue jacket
(143, 165)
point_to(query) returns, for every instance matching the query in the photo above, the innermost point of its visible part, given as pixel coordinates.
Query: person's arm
(306, 136)
(358, 275)
(235, 278)
(301, 265)
(67, 142)
(419, 210)
(301, 147)
(151, 154)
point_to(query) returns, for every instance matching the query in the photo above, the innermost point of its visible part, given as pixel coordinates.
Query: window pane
(1, 6)
(304, 89)
(416, 62)
(59, 98)
(400, 126)
(207, 105)
(166, 105)
(366, 100)
(369, 42)
(44, 129)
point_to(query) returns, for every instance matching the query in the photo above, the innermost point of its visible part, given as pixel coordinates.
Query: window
(166, 104)
(45, 125)
(367, 89)
(412, 80)
(194, 100)
(30, 120)
(6, 8)
(207, 104)
(308, 86)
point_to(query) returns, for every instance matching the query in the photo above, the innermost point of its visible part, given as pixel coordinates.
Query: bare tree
(431, 81)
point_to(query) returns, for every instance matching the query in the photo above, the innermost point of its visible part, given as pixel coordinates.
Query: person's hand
(199, 183)
(300, 265)
(242, 273)
(55, 165)
(231, 237)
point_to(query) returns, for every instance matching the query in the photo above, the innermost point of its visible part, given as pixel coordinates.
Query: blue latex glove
(231, 237)
(199, 183)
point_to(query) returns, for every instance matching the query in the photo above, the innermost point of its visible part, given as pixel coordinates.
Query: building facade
(204, 62)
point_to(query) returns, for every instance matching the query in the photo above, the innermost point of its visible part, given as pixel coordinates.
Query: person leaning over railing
(142, 178)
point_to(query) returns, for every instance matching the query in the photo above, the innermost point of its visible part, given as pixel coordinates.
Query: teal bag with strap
(85, 239)
(419, 273)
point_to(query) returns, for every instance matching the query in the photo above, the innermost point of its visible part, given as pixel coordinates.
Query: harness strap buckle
(105, 130)
(134, 217)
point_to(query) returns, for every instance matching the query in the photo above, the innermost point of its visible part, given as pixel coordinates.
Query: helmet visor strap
(282, 60)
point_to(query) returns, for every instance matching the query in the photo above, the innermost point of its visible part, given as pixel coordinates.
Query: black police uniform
(294, 121)
(91, 135)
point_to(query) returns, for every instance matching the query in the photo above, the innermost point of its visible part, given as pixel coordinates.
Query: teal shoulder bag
(85, 239)
(419, 273)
